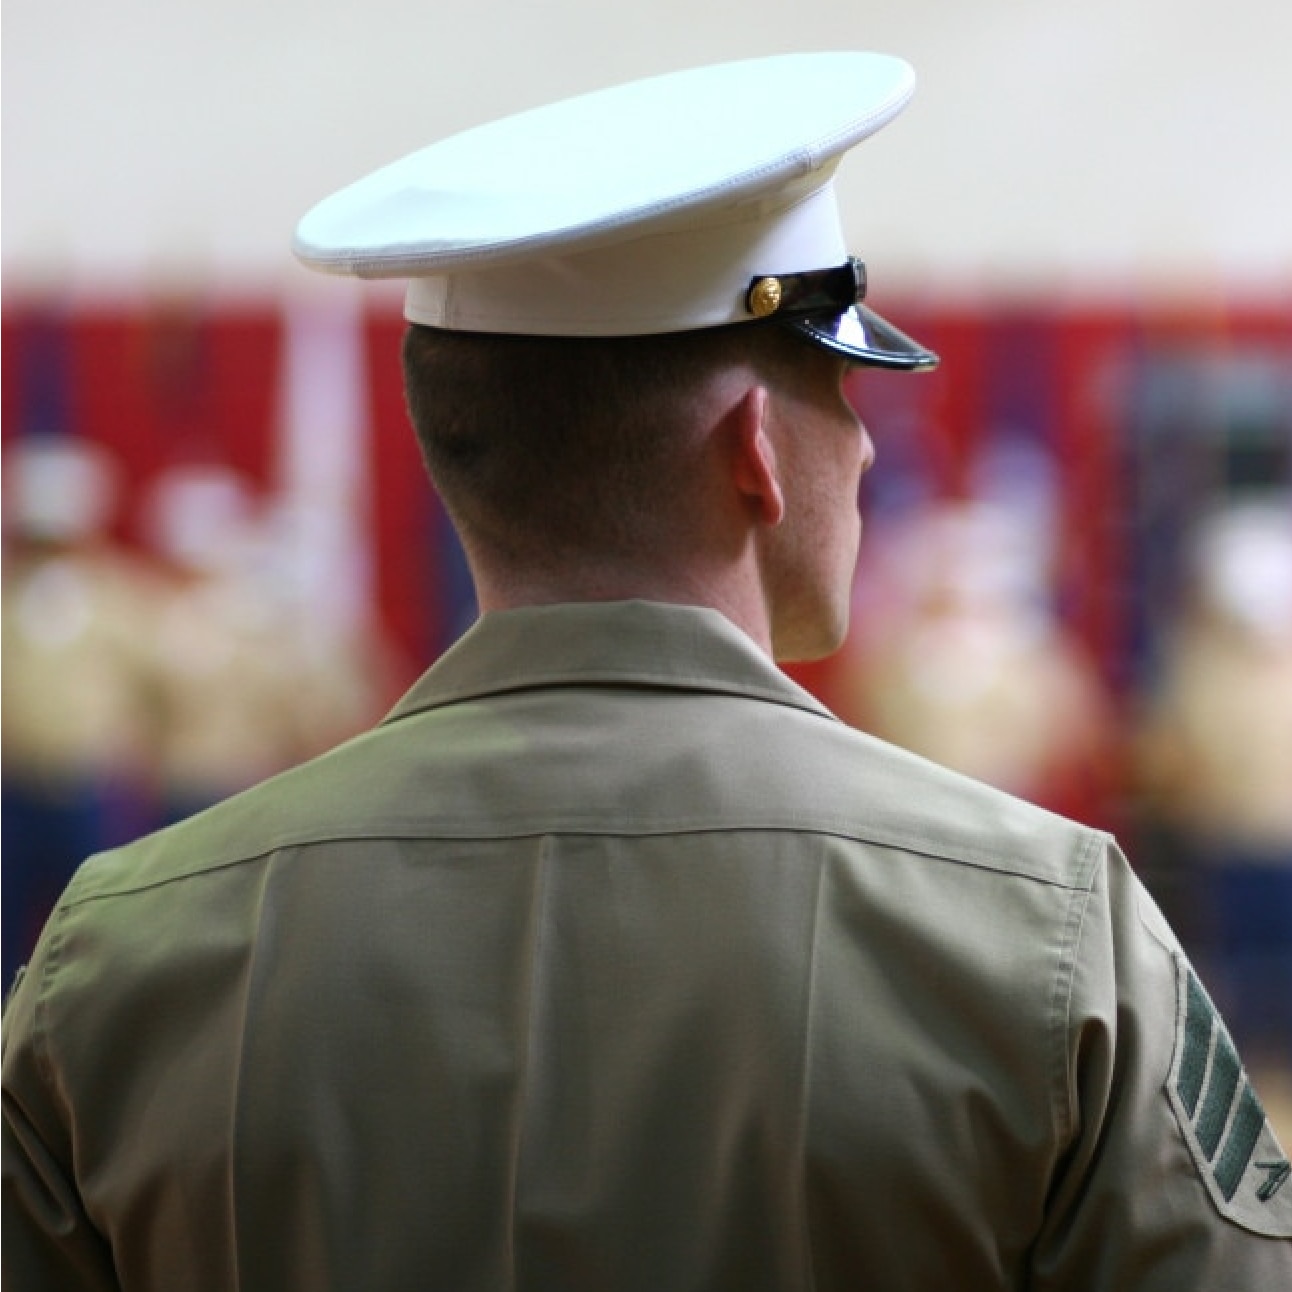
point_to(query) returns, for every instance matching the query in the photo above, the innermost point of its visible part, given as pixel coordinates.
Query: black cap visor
(824, 306)
(861, 335)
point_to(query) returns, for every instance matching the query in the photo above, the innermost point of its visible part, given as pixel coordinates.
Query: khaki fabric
(612, 961)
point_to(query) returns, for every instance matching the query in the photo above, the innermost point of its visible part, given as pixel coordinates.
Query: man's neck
(743, 606)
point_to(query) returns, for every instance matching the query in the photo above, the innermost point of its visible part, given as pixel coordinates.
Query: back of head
(547, 449)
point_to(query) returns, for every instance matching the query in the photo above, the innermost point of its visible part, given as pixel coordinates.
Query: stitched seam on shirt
(1064, 1115)
(439, 831)
(235, 1111)
(41, 1039)
(536, 930)
(805, 1095)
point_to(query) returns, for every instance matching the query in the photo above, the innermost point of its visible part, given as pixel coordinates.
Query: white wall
(1069, 144)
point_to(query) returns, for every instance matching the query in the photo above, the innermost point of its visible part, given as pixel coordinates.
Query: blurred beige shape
(965, 664)
(1216, 752)
(78, 695)
(252, 682)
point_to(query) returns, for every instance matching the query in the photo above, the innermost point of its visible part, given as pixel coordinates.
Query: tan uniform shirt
(612, 961)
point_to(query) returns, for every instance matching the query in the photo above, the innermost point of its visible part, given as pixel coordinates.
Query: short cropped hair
(545, 448)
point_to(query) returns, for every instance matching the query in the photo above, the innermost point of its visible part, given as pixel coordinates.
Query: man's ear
(755, 471)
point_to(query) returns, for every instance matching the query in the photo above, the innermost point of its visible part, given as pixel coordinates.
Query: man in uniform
(612, 960)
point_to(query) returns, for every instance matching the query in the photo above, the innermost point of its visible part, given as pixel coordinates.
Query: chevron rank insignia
(1224, 1124)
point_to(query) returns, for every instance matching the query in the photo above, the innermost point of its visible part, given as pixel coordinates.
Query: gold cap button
(765, 297)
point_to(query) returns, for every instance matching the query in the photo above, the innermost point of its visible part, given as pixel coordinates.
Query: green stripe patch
(1224, 1124)
(1199, 1024)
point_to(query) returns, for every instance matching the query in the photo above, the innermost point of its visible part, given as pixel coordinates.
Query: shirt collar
(619, 643)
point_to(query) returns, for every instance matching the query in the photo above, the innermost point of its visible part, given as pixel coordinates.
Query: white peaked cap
(651, 207)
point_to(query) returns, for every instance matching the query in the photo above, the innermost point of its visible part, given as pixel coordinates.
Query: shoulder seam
(967, 856)
(41, 1039)
(1064, 982)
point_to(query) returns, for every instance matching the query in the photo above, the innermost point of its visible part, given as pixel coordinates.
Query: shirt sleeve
(1173, 1178)
(50, 1244)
